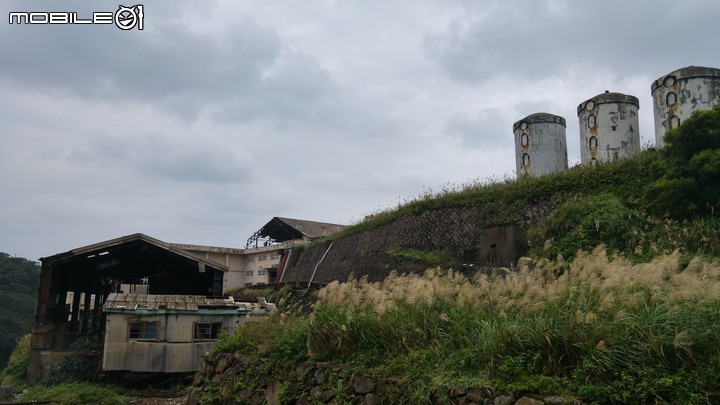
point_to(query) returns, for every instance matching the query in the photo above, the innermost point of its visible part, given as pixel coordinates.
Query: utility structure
(608, 128)
(540, 145)
(679, 93)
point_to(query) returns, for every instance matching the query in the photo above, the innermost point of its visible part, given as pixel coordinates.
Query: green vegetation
(81, 364)
(18, 292)
(605, 331)
(14, 373)
(688, 183)
(77, 393)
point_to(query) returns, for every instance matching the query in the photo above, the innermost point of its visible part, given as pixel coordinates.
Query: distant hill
(18, 292)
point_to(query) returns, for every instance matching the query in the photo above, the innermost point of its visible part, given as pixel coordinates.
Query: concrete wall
(609, 128)
(540, 145)
(174, 351)
(463, 233)
(241, 262)
(679, 93)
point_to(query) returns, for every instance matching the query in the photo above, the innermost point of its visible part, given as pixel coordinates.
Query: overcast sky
(218, 116)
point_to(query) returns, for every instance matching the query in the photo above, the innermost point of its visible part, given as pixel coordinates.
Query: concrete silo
(540, 145)
(677, 94)
(608, 128)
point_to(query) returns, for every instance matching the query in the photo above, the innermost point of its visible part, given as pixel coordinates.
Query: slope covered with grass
(620, 302)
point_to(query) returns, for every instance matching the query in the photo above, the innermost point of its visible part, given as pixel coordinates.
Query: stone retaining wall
(234, 378)
(467, 235)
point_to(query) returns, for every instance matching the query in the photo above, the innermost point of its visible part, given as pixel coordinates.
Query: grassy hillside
(18, 293)
(656, 202)
(620, 302)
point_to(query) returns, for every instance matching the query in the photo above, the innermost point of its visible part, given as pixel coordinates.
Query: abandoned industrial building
(124, 290)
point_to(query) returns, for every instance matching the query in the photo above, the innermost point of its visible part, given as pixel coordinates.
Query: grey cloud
(547, 38)
(168, 61)
(181, 159)
(483, 129)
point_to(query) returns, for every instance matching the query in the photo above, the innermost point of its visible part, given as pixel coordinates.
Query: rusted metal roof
(281, 229)
(100, 248)
(130, 302)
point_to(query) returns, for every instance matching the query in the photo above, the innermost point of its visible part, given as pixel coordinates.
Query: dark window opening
(207, 330)
(144, 330)
(674, 122)
(593, 143)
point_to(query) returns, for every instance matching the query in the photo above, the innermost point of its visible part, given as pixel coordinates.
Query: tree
(18, 294)
(690, 184)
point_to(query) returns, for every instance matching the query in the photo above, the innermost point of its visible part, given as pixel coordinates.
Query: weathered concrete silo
(677, 94)
(540, 145)
(608, 128)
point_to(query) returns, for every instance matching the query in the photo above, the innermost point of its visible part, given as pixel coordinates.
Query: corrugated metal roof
(101, 246)
(172, 302)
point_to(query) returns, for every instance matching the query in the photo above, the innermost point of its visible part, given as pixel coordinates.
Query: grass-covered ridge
(656, 202)
(504, 199)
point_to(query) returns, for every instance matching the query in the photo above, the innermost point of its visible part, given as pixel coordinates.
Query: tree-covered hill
(18, 292)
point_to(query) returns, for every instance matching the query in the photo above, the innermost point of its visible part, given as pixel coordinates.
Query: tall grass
(600, 327)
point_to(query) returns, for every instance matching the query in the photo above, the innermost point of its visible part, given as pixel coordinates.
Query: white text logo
(125, 18)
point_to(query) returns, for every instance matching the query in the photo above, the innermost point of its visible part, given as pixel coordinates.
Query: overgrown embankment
(636, 321)
(657, 202)
(600, 329)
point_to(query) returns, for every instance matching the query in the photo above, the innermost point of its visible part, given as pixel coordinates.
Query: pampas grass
(581, 321)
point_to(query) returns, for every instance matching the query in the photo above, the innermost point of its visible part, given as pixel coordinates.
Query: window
(593, 143)
(249, 273)
(262, 258)
(248, 284)
(275, 256)
(591, 121)
(674, 122)
(671, 99)
(250, 259)
(261, 272)
(144, 330)
(207, 330)
(526, 159)
(524, 140)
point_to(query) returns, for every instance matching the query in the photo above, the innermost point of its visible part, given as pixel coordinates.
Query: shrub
(582, 223)
(14, 373)
(689, 182)
(81, 364)
(77, 393)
